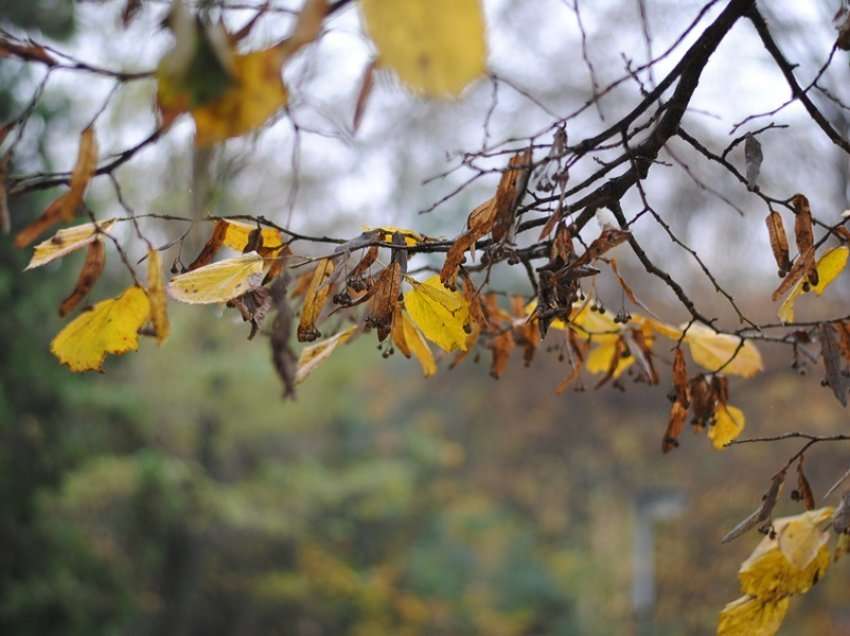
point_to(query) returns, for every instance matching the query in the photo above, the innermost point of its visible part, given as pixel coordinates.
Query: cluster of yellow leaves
(441, 314)
(786, 563)
(436, 47)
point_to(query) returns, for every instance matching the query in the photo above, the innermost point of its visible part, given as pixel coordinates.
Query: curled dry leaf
(675, 425)
(832, 362)
(64, 207)
(479, 223)
(208, 251)
(436, 47)
(410, 341)
(778, 241)
(804, 233)
(91, 271)
(500, 346)
(66, 241)
(314, 301)
(680, 377)
(384, 300)
(157, 297)
(762, 513)
(110, 327)
(610, 238)
(511, 188)
(219, 282)
(804, 489)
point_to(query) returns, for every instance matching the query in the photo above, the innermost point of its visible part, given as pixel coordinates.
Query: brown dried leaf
(314, 300)
(641, 351)
(215, 241)
(511, 189)
(365, 263)
(82, 173)
(501, 347)
(804, 488)
(702, 400)
(479, 223)
(50, 217)
(675, 424)
(571, 377)
(804, 233)
(366, 84)
(384, 300)
(831, 354)
(680, 377)
(762, 513)
(610, 238)
(778, 241)
(91, 271)
(800, 268)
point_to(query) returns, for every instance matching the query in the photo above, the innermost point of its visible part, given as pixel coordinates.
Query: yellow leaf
(65, 241)
(411, 237)
(769, 574)
(257, 93)
(156, 296)
(661, 328)
(800, 538)
(599, 325)
(314, 300)
(599, 359)
(436, 47)
(418, 347)
(110, 326)
(829, 266)
(728, 423)
(315, 354)
(750, 616)
(237, 233)
(440, 313)
(219, 282)
(713, 350)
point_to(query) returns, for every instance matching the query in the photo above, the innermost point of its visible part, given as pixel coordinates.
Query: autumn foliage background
(178, 494)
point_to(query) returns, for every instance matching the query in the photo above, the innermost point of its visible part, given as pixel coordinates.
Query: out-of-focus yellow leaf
(65, 241)
(750, 616)
(829, 266)
(713, 350)
(436, 47)
(729, 421)
(256, 94)
(769, 574)
(237, 233)
(111, 326)
(219, 282)
(599, 325)
(157, 297)
(656, 326)
(418, 347)
(440, 313)
(842, 546)
(599, 359)
(411, 237)
(315, 354)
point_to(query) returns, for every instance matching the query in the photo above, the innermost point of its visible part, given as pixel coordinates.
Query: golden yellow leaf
(713, 350)
(598, 325)
(801, 537)
(65, 241)
(315, 354)
(599, 359)
(436, 47)
(728, 423)
(237, 233)
(314, 300)
(829, 266)
(111, 326)
(750, 616)
(256, 94)
(656, 326)
(439, 313)
(156, 296)
(219, 282)
(418, 347)
(769, 574)
(411, 237)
